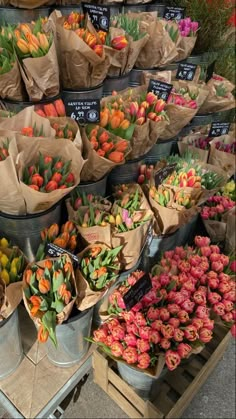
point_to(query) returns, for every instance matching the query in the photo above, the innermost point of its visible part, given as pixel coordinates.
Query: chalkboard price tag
(99, 16)
(161, 89)
(83, 111)
(162, 174)
(137, 291)
(186, 71)
(174, 13)
(53, 251)
(219, 128)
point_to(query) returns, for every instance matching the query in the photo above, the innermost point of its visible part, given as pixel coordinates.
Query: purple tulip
(125, 215)
(194, 26)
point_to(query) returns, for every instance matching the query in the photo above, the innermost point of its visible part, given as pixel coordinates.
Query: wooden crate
(177, 388)
(37, 382)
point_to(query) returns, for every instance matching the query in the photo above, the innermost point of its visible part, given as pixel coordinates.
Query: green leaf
(49, 322)
(57, 282)
(27, 293)
(59, 306)
(44, 305)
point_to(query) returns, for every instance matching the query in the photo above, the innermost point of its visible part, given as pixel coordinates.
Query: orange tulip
(68, 227)
(121, 145)
(42, 334)
(17, 33)
(43, 41)
(44, 285)
(103, 137)
(28, 275)
(27, 131)
(72, 243)
(33, 48)
(104, 118)
(25, 28)
(98, 49)
(65, 236)
(53, 231)
(116, 156)
(64, 293)
(23, 46)
(95, 250)
(35, 300)
(68, 267)
(39, 274)
(48, 264)
(94, 132)
(115, 122)
(59, 241)
(32, 38)
(102, 271)
(125, 124)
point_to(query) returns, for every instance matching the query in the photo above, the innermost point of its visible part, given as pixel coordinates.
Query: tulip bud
(141, 113)
(150, 98)
(134, 107)
(118, 220)
(159, 105)
(23, 46)
(140, 121)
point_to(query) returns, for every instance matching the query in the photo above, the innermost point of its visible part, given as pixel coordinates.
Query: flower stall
(117, 200)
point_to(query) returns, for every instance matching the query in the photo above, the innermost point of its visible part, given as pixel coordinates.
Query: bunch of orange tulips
(32, 42)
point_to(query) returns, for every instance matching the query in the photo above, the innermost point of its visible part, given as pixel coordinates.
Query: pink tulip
(117, 349)
(144, 361)
(130, 355)
(172, 359)
(184, 350)
(130, 340)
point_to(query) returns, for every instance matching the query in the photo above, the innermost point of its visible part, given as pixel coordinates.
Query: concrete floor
(216, 399)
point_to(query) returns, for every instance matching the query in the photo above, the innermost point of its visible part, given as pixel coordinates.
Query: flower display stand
(177, 388)
(37, 387)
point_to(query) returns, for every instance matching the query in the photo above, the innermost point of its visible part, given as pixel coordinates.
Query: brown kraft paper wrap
(132, 242)
(10, 295)
(185, 47)
(226, 161)
(217, 230)
(78, 61)
(131, 188)
(40, 201)
(118, 58)
(11, 199)
(215, 103)
(86, 296)
(150, 55)
(62, 122)
(41, 75)
(28, 118)
(134, 50)
(230, 240)
(185, 145)
(11, 86)
(29, 4)
(64, 315)
(96, 167)
(180, 116)
(95, 234)
(169, 49)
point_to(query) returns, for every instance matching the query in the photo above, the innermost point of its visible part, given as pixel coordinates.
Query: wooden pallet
(177, 388)
(37, 382)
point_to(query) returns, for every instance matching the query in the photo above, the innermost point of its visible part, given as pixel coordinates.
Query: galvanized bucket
(11, 352)
(95, 188)
(116, 83)
(72, 346)
(125, 173)
(13, 16)
(134, 8)
(144, 385)
(90, 93)
(97, 321)
(24, 230)
(16, 106)
(156, 7)
(66, 10)
(160, 150)
(224, 116)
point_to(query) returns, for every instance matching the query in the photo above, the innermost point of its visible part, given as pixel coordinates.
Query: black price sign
(137, 291)
(161, 89)
(83, 111)
(174, 13)
(219, 128)
(162, 174)
(186, 71)
(99, 16)
(53, 251)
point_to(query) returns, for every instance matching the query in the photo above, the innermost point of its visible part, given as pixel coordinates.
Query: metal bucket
(24, 230)
(13, 16)
(144, 385)
(116, 83)
(95, 188)
(16, 106)
(11, 352)
(160, 150)
(156, 7)
(134, 8)
(89, 93)
(125, 173)
(66, 10)
(224, 116)
(72, 346)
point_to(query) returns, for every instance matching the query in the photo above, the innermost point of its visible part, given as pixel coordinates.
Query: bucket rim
(123, 76)
(20, 9)
(28, 216)
(30, 103)
(92, 182)
(82, 90)
(75, 317)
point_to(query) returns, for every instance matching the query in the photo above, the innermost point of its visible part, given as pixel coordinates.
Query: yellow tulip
(23, 46)
(4, 242)
(4, 260)
(5, 276)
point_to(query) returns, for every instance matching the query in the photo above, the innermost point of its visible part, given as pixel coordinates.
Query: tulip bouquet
(197, 144)
(188, 31)
(183, 104)
(9, 69)
(229, 190)
(94, 225)
(38, 60)
(173, 208)
(80, 200)
(145, 172)
(64, 237)
(220, 97)
(98, 270)
(54, 109)
(138, 116)
(12, 266)
(4, 150)
(32, 131)
(222, 153)
(49, 292)
(103, 150)
(215, 215)
(77, 37)
(175, 317)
